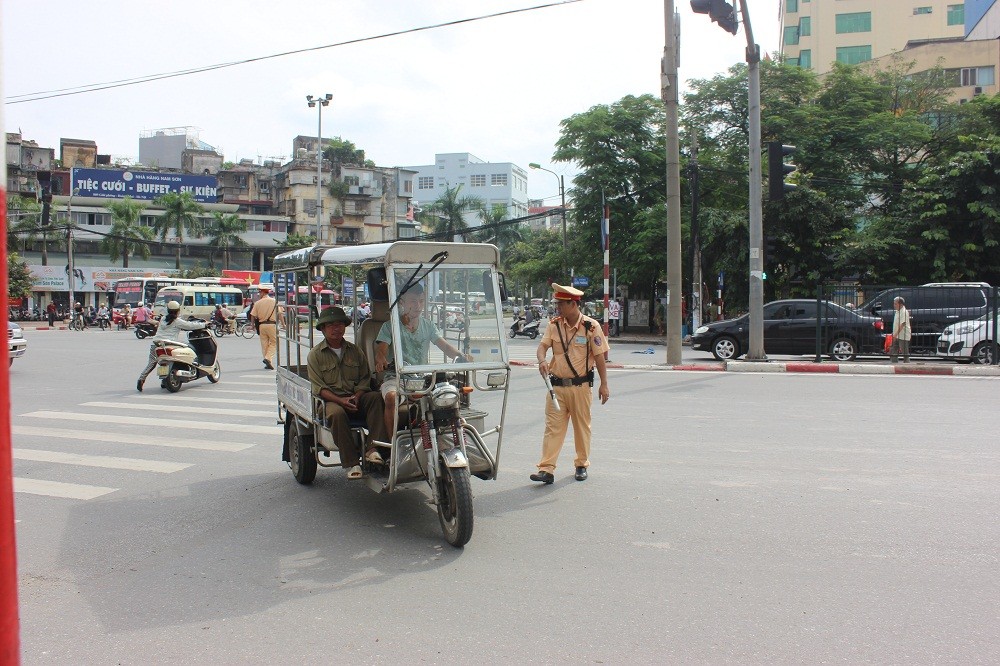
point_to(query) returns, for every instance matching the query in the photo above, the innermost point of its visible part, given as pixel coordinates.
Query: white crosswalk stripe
(109, 462)
(153, 422)
(223, 420)
(186, 409)
(132, 440)
(273, 402)
(59, 489)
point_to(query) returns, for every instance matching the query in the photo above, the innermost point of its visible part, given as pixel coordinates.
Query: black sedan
(790, 328)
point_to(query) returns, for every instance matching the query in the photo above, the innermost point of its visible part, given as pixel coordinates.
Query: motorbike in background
(145, 329)
(521, 328)
(178, 362)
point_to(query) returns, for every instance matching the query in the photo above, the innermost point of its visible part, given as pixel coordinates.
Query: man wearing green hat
(341, 376)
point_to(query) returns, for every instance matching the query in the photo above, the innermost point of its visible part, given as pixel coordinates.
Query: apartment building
(817, 33)
(367, 204)
(496, 183)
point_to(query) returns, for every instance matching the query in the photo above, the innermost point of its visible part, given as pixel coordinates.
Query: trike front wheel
(454, 505)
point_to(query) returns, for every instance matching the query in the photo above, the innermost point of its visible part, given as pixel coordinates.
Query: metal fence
(954, 320)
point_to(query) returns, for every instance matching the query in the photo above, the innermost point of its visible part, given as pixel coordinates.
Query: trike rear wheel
(301, 457)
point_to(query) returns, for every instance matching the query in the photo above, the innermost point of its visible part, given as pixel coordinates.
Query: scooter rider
(224, 317)
(170, 328)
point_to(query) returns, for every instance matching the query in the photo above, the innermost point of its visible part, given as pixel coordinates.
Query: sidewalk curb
(772, 367)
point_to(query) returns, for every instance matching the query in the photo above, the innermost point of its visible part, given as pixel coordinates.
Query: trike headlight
(444, 396)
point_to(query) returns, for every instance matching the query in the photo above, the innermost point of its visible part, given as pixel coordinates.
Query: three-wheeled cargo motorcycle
(439, 437)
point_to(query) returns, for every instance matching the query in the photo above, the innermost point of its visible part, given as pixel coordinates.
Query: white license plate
(162, 371)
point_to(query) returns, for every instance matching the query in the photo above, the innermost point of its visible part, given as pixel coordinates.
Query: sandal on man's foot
(355, 473)
(374, 457)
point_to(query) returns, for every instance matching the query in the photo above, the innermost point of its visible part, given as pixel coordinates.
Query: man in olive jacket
(341, 376)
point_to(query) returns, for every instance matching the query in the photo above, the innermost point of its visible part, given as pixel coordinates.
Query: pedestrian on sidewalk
(901, 331)
(50, 312)
(578, 347)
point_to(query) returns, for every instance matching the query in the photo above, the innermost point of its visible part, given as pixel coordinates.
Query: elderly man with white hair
(901, 331)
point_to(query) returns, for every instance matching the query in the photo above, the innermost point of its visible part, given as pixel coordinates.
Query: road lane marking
(153, 422)
(59, 489)
(183, 409)
(109, 462)
(218, 390)
(228, 401)
(270, 382)
(132, 440)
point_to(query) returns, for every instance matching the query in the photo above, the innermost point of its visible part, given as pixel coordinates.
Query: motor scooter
(178, 363)
(527, 330)
(145, 329)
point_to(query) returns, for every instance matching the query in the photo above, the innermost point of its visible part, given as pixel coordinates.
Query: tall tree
(446, 216)
(180, 215)
(127, 236)
(224, 234)
(24, 222)
(619, 150)
(495, 228)
(19, 280)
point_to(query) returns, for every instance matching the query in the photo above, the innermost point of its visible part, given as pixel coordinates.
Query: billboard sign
(145, 185)
(96, 279)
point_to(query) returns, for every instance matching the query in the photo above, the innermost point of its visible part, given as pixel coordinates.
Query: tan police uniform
(265, 312)
(572, 379)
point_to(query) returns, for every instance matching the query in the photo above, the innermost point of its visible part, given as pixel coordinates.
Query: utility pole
(695, 237)
(756, 351)
(669, 94)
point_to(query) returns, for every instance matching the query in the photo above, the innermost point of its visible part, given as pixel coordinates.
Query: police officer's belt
(265, 322)
(573, 381)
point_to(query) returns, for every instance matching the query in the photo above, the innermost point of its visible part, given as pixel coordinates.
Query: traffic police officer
(578, 347)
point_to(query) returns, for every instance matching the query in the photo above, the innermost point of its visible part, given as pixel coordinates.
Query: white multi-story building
(496, 183)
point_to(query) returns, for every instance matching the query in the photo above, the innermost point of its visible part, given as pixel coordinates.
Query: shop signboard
(144, 185)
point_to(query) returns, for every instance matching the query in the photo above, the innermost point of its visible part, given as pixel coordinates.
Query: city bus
(143, 289)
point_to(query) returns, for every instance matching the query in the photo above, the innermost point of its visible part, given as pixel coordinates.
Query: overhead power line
(121, 83)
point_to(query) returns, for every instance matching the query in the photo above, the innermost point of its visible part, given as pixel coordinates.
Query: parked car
(790, 328)
(16, 344)
(933, 307)
(969, 341)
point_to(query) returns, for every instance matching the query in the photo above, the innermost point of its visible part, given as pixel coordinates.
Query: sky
(496, 88)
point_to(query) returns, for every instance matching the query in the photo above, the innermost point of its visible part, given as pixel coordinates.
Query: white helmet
(173, 305)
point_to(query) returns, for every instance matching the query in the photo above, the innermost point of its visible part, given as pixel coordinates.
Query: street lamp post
(69, 249)
(562, 195)
(319, 103)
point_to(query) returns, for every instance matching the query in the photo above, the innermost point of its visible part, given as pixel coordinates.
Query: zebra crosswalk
(72, 454)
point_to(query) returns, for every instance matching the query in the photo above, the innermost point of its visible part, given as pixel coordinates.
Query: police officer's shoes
(543, 477)
(581, 473)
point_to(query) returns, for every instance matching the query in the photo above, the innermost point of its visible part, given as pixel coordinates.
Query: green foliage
(344, 152)
(296, 241)
(224, 233)
(180, 214)
(446, 216)
(619, 149)
(19, 280)
(534, 262)
(199, 271)
(127, 236)
(24, 225)
(955, 214)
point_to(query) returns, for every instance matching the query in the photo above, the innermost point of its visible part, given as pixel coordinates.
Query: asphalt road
(729, 518)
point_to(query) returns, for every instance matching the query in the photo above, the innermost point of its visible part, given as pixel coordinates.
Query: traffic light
(778, 170)
(720, 11)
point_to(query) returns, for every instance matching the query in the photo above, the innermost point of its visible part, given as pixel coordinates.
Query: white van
(197, 300)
